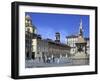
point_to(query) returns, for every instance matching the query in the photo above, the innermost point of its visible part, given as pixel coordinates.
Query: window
(38, 52)
(28, 29)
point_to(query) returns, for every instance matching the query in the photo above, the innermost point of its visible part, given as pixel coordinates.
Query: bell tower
(28, 24)
(28, 37)
(57, 35)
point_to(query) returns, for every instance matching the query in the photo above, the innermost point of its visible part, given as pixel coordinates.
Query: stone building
(29, 31)
(48, 48)
(71, 40)
(40, 47)
(58, 50)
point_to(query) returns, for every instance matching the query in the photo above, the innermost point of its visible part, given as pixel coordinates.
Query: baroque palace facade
(38, 48)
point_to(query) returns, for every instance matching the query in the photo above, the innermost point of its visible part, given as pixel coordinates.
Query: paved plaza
(57, 63)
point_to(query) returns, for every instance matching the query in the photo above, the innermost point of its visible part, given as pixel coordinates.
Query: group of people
(50, 60)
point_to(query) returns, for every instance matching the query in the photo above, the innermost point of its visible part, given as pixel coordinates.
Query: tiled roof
(59, 44)
(72, 36)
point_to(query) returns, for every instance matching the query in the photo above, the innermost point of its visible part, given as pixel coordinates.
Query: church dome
(27, 17)
(28, 21)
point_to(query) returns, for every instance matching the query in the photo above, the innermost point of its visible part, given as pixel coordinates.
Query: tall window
(28, 29)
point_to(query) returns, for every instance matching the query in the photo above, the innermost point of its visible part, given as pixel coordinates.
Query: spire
(80, 28)
(81, 24)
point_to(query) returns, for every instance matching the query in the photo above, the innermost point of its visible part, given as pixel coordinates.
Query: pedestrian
(58, 60)
(53, 59)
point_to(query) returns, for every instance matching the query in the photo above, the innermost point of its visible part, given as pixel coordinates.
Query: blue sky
(47, 24)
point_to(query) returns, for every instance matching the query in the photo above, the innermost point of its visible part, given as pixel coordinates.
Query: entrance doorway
(33, 55)
(27, 54)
